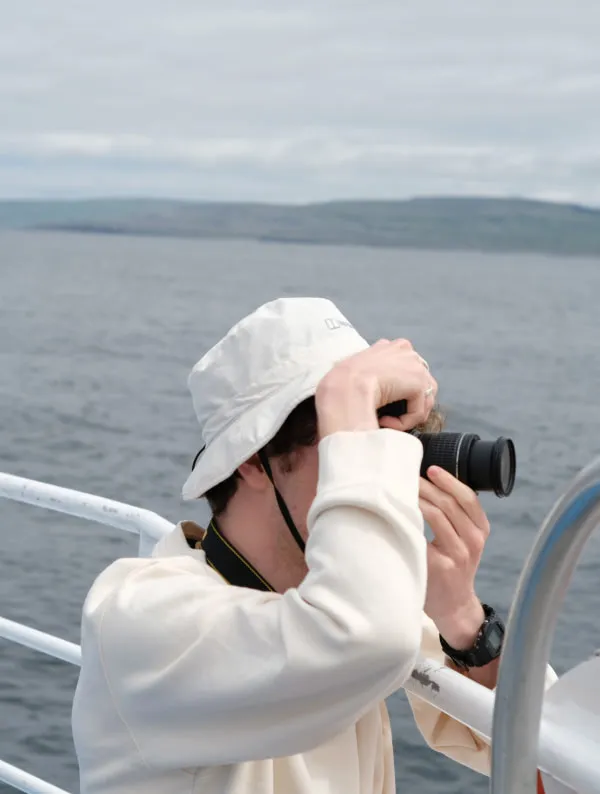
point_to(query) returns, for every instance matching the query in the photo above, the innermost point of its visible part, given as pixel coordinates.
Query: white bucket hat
(246, 386)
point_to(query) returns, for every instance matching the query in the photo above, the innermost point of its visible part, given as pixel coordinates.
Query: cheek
(302, 485)
(310, 476)
(308, 491)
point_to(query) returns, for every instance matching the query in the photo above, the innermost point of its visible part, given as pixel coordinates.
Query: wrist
(344, 405)
(460, 629)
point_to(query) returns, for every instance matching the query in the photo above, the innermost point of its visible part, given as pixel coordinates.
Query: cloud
(300, 101)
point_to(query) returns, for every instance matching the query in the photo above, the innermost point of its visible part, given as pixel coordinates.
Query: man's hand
(349, 395)
(460, 529)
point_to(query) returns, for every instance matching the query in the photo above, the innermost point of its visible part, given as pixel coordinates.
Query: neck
(224, 558)
(266, 544)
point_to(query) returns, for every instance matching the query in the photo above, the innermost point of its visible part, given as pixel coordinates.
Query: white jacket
(189, 684)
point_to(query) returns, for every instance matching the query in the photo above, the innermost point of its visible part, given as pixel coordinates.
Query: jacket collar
(175, 544)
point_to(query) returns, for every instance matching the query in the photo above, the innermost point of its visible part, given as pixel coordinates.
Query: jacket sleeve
(442, 732)
(204, 673)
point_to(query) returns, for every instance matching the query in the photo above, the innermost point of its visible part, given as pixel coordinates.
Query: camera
(482, 465)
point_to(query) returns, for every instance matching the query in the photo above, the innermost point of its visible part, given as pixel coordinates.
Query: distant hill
(483, 224)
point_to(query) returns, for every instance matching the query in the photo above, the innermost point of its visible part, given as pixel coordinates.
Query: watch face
(494, 639)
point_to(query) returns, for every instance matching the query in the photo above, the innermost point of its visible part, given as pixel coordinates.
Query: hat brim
(249, 433)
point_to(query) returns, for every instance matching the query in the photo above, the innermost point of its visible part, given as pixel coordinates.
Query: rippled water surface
(97, 335)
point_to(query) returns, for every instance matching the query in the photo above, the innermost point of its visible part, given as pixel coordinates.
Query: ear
(253, 474)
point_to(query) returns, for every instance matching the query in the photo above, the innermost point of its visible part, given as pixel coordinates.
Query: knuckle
(435, 513)
(378, 344)
(471, 499)
(478, 542)
(446, 565)
(420, 416)
(461, 555)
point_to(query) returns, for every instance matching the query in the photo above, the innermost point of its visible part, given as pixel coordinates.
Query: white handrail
(435, 683)
(23, 781)
(148, 525)
(40, 641)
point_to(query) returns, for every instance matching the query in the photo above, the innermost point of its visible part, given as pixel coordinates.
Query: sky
(300, 101)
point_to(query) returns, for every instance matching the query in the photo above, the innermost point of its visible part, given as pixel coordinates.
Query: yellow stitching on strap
(240, 558)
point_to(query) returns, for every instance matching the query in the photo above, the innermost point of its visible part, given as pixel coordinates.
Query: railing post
(530, 630)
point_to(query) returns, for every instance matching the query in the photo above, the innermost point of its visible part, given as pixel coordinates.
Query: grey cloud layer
(300, 101)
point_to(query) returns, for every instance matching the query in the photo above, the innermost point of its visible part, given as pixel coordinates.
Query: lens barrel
(482, 465)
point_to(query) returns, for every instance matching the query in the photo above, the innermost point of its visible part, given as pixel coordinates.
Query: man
(255, 657)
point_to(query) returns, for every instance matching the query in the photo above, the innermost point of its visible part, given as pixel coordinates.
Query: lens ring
(504, 447)
(482, 465)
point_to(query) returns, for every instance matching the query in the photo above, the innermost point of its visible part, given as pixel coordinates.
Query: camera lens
(482, 465)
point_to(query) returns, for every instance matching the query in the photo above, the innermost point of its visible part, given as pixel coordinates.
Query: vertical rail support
(530, 631)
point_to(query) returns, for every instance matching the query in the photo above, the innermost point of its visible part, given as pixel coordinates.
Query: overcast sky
(300, 100)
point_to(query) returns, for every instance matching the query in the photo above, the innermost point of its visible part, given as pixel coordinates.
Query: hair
(300, 429)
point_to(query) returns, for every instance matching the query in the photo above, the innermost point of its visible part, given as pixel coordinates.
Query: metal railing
(23, 781)
(40, 641)
(461, 698)
(149, 526)
(531, 627)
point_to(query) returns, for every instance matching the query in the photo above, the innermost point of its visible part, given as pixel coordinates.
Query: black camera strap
(283, 508)
(264, 460)
(228, 561)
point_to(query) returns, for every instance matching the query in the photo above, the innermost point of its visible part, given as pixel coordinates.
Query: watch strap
(487, 645)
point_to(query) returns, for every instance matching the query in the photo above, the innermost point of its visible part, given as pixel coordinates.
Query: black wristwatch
(487, 645)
